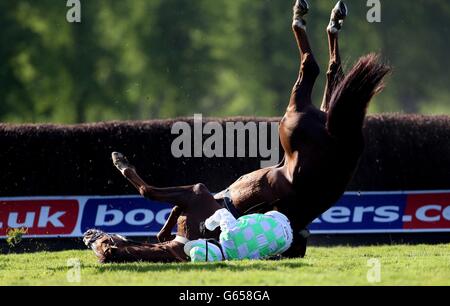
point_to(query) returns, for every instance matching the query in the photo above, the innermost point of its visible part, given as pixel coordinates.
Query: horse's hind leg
(309, 70)
(335, 73)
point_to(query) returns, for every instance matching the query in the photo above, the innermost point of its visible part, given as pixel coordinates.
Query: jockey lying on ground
(255, 236)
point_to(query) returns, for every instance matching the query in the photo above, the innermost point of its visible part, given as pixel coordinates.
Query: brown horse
(322, 149)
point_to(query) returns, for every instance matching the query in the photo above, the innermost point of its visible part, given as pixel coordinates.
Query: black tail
(352, 96)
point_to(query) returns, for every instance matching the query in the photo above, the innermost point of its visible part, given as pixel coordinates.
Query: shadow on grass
(184, 267)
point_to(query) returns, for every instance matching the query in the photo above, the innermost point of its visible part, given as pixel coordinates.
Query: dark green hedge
(402, 153)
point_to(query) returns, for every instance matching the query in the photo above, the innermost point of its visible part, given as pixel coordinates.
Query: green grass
(400, 265)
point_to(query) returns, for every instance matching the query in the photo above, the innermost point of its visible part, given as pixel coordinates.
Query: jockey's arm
(222, 218)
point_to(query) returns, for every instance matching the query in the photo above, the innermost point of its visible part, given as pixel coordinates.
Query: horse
(322, 148)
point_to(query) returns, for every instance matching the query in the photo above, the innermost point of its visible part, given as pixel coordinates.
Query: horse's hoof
(102, 243)
(121, 162)
(301, 8)
(338, 15)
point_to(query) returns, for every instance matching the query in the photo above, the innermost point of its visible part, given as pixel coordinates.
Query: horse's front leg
(182, 196)
(165, 234)
(193, 203)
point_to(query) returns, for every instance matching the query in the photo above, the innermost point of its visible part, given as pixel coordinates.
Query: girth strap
(228, 204)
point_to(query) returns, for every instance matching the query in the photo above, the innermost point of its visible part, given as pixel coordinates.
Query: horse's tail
(352, 96)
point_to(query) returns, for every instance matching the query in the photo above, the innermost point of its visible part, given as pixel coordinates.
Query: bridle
(216, 243)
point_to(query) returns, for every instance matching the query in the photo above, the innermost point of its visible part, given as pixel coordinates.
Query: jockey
(255, 236)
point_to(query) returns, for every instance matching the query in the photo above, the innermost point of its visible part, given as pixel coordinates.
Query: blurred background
(144, 59)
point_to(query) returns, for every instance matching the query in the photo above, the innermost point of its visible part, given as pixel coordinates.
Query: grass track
(400, 265)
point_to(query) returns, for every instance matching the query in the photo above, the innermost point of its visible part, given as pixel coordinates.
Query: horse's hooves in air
(338, 14)
(301, 8)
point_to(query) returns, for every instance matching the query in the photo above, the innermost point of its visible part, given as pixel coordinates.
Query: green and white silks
(255, 236)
